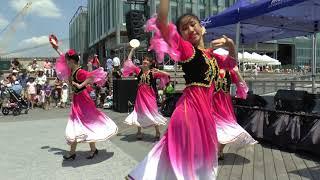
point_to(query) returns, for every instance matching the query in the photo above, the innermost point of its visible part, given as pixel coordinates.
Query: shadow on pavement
(133, 138)
(81, 157)
(312, 173)
(230, 159)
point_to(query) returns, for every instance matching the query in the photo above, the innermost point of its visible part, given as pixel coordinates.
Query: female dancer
(86, 123)
(228, 130)
(145, 113)
(189, 148)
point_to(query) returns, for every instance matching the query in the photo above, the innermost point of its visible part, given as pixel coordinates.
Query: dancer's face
(146, 62)
(70, 63)
(191, 30)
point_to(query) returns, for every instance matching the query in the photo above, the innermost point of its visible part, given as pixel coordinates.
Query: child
(31, 89)
(47, 91)
(64, 95)
(55, 96)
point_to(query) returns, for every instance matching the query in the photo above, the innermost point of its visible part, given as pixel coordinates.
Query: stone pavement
(33, 150)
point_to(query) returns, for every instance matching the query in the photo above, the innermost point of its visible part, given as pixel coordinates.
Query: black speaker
(135, 21)
(294, 101)
(124, 94)
(252, 100)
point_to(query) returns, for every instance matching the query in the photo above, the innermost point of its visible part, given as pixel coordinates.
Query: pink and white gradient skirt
(188, 150)
(86, 123)
(145, 113)
(228, 130)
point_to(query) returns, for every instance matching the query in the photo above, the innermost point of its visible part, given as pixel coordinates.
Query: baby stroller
(14, 103)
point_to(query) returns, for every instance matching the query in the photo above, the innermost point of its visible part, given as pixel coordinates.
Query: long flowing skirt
(86, 123)
(145, 113)
(188, 150)
(228, 130)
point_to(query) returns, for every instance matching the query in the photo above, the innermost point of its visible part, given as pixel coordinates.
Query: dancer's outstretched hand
(222, 42)
(76, 84)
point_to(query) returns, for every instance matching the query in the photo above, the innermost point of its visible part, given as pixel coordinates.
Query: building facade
(107, 28)
(78, 33)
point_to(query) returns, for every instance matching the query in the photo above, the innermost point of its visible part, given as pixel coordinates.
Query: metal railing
(263, 87)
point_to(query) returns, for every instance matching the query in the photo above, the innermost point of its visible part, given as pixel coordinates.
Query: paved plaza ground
(32, 146)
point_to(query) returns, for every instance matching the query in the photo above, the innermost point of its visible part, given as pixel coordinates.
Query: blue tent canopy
(265, 20)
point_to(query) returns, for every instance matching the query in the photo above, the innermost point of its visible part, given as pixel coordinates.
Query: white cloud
(42, 8)
(37, 47)
(3, 22)
(34, 41)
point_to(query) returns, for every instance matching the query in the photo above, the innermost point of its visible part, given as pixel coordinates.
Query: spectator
(31, 89)
(42, 96)
(109, 65)
(169, 89)
(41, 78)
(16, 65)
(89, 65)
(56, 96)
(23, 79)
(95, 62)
(47, 68)
(64, 95)
(17, 88)
(103, 94)
(14, 75)
(116, 68)
(58, 87)
(47, 91)
(136, 62)
(30, 69)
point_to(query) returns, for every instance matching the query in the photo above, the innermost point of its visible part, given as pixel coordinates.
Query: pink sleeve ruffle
(242, 90)
(62, 69)
(164, 79)
(225, 61)
(99, 76)
(174, 45)
(129, 68)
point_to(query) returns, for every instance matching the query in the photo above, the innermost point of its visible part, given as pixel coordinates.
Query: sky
(34, 25)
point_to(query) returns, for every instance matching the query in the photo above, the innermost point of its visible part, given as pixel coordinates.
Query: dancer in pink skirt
(145, 113)
(86, 123)
(228, 130)
(189, 148)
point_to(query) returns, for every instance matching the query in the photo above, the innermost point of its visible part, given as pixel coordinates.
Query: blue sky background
(44, 17)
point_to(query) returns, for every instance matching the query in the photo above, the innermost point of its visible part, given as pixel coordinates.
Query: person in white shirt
(64, 95)
(41, 79)
(116, 68)
(116, 61)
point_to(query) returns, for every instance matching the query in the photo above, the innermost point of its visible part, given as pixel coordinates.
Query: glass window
(188, 10)
(114, 10)
(174, 13)
(202, 14)
(157, 7)
(126, 9)
(109, 15)
(227, 3)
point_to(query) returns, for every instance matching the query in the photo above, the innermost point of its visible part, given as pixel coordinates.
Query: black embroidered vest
(74, 78)
(200, 70)
(146, 79)
(223, 83)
